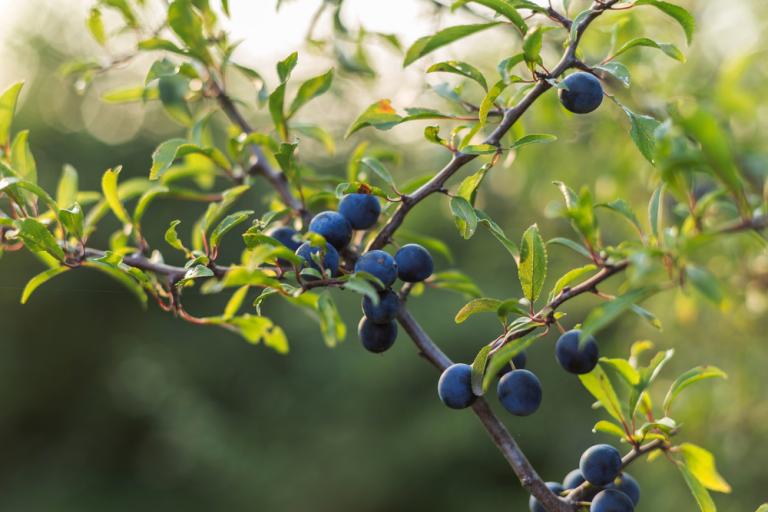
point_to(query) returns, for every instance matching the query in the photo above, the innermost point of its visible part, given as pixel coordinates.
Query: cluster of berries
(412, 263)
(610, 490)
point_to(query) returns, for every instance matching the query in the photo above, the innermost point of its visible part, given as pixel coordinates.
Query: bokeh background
(106, 407)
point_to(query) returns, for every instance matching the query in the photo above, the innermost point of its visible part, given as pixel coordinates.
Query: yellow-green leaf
(701, 464)
(8, 100)
(532, 269)
(41, 278)
(109, 189)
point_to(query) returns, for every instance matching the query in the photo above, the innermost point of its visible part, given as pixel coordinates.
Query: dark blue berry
(414, 263)
(383, 312)
(520, 392)
(629, 486)
(330, 260)
(289, 237)
(576, 356)
(611, 500)
(533, 503)
(361, 210)
(455, 386)
(600, 464)
(334, 228)
(583, 94)
(380, 265)
(376, 337)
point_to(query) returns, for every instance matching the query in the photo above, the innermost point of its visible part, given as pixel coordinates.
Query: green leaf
(568, 278)
(580, 210)
(481, 305)
(8, 100)
(567, 242)
(480, 149)
(506, 66)
(607, 312)
(156, 43)
(361, 283)
(532, 45)
(642, 132)
(700, 493)
(171, 150)
(145, 200)
(380, 115)
(378, 168)
(701, 464)
(277, 110)
(131, 95)
(655, 210)
(532, 269)
(189, 27)
(668, 48)
(286, 66)
(228, 224)
(198, 271)
(456, 281)
(599, 385)
(623, 208)
(533, 138)
(40, 279)
(22, 160)
(489, 101)
(96, 26)
(428, 44)
(216, 211)
(464, 216)
(460, 68)
(172, 238)
(109, 189)
(478, 369)
(682, 16)
(691, 377)
(609, 427)
(331, 324)
(616, 69)
(257, 328)
(172, 90)
(504, 7)
(622, 367)
(124, 9)
(706, 283)
(73, 220)
(468, 187)
(763, 508)
(37, 238)
(646, 315)
(235, 302)
(702, 125)
(319, 134)
(67, 188)
(485, 221)
(310, 89)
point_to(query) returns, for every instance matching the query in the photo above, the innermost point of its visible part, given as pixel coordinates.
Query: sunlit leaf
(40, 279)
(428, 44)
(532, 269)
(691, 377)
(310, 89)
(8, 100)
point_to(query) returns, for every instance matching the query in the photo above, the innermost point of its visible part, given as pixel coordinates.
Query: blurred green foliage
(105, 406)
